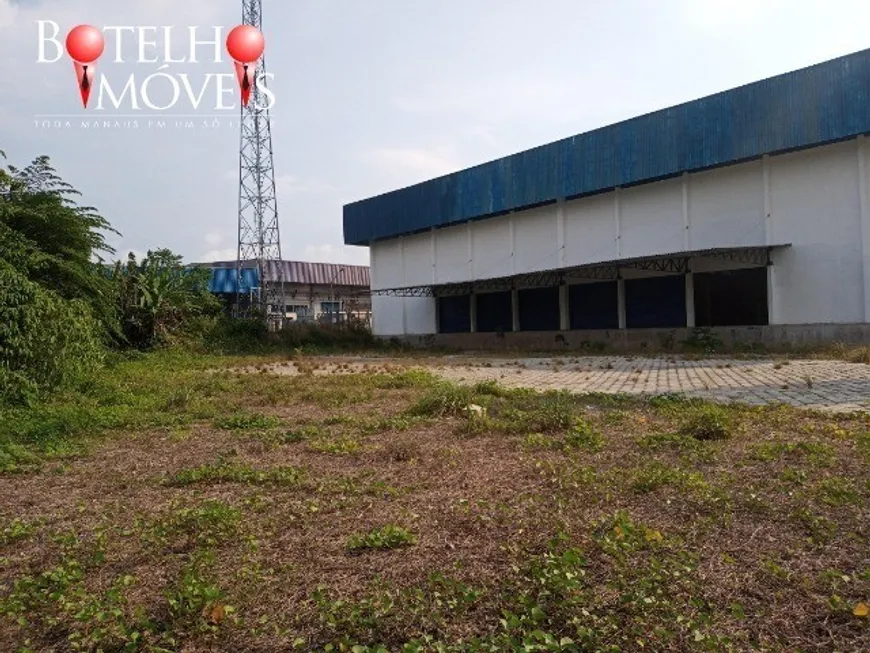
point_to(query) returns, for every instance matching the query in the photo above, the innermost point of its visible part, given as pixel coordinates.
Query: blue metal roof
(812, 106)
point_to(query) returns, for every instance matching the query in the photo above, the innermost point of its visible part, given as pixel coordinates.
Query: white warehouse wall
(816, 199)
(396, 316)
(815, 204)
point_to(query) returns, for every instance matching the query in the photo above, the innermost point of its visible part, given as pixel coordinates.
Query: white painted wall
(451, 260)
(590, 230)
(815, 200)
(419, 315)
(815, 206)
(417, 255)
(386, 265)
(395, 316)
(536, 240)
(387, 316)
(726, 207)
(491, 248)
(651, 219)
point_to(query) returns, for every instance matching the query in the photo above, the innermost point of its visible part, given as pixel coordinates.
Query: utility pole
(333, 314)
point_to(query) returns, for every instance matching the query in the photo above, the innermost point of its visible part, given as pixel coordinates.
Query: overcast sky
(373, 95)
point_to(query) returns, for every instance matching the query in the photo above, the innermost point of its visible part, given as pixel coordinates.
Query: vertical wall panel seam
(772, 311)
(513, 244)
(470, 251)
(403, 299)
(617, 220)
(687, 241)
(434, 247)
(864, 204)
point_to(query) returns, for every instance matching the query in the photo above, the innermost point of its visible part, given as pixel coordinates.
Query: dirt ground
(601, 523)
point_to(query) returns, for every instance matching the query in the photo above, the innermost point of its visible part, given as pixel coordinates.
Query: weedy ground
(176, 504)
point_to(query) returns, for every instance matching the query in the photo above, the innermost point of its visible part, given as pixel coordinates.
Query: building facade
(749, 208)
(324, 292)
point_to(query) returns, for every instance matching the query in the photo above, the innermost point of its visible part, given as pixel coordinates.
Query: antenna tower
(259, 238)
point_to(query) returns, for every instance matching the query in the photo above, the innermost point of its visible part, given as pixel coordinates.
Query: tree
(56, 302)
(53, 241)
(45, 341)
(159, 296)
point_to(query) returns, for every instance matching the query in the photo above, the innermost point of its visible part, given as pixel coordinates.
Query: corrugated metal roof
(816, 105)
(223, 278)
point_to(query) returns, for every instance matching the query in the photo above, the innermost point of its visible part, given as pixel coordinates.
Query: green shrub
(243, 474)
(490, 388)
(584, 436)
(16, 458)
(387, 537)
(247, 421)
(703, 339)
(708, 423)
(207, 525)
(442, 400)
(550, 412)
(45, 341)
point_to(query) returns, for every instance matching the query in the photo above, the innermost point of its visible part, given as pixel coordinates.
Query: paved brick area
(819, 384)
(830, 385)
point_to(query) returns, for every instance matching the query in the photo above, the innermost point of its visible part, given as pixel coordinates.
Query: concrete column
(564, 315)
(473, 300)
(690, 300)
(515, 309)
(772, 310)
(620, 299)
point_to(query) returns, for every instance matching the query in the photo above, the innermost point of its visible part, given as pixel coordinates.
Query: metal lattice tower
(259, 237)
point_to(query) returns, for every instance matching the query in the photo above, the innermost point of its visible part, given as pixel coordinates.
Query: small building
(746, 211)
(328, 292)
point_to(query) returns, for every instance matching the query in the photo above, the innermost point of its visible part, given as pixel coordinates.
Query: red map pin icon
(85, 44)
(245, 45)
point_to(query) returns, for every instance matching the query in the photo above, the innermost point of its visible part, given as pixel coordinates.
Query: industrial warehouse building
(747, 210)
(312, 291)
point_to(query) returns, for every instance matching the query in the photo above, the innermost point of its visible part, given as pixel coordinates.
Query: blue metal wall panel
(821, 104)
(594, 305)
(454, 314)
(224, 280)
(494, 312)
(655, 302)
(539, 309)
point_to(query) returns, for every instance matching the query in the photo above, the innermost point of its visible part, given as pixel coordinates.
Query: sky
(375, 95)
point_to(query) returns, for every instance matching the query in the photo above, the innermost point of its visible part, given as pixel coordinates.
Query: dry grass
(526, 528)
